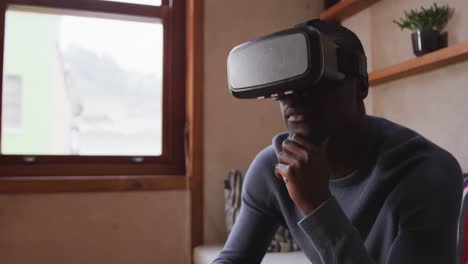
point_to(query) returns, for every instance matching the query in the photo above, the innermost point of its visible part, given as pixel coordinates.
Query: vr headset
(291, 61)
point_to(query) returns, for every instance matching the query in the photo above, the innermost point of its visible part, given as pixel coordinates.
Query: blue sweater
(400, 206)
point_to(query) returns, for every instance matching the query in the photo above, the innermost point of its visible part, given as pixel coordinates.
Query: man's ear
(363, 87)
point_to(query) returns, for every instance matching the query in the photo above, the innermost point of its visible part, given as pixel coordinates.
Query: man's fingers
(282, 172)
(286, 158)
(294, 149)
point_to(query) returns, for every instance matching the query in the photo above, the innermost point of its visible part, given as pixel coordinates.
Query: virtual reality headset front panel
(289, 61)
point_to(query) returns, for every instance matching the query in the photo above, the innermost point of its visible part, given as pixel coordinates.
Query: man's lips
(294, 116)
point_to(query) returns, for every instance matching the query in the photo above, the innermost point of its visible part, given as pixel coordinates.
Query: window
(93, 88)
(143, 2)
(12, 102)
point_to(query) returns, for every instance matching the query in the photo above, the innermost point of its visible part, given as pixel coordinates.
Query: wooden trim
(89, 169)
(178, 77)
(195, 77)
(95, 6)
(91, 184)
(72, 159)
(173, 17)
(421, 64)
(2, 49)
(344, 9)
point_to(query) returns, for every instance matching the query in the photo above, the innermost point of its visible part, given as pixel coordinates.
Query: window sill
(92, 184)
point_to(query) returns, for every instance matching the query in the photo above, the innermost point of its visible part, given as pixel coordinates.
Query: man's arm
(427, 227)
(430, 213)
(334, 237)
(257, 222)
(249, 239)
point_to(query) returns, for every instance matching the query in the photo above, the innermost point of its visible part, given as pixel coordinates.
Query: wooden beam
(421, 64)
(51, 184)
(2, 49)
(108, 7)
(195, 82)
(344, 9)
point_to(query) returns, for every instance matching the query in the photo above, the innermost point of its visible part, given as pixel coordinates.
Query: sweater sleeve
(334, 237)
(257, 221)
(429, 212)
(429, 206)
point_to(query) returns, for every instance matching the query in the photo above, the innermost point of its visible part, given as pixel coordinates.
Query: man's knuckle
(298, 163)
(291, 170)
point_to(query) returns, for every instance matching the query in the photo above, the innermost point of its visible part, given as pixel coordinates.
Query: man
(351, 188)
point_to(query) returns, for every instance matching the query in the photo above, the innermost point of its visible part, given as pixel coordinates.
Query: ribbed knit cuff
(327, 226)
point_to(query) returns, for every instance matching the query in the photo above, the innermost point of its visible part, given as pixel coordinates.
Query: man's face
(317, 116)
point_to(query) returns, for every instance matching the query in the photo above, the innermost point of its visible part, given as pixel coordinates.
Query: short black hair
(345, 39)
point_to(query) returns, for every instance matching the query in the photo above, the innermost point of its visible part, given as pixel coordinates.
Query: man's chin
(314, 138)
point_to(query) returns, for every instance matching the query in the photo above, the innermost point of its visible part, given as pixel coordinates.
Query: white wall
(112, 227)
(433, 103)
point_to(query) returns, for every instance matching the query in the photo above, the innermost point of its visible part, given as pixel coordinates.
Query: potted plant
(426, 24)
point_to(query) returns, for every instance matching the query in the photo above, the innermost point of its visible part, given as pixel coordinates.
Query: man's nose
(290, 99)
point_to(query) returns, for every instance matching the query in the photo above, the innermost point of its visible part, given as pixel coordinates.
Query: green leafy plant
(432, 18)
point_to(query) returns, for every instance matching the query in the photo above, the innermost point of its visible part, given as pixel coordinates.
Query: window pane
(89, 86)
(12, 102)
(142, 2)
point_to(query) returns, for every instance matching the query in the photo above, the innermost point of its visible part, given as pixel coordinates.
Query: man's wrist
(310, 207)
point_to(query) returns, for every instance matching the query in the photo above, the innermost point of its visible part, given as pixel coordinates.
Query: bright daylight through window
(142, 2)
(12, 102)
(82, 85)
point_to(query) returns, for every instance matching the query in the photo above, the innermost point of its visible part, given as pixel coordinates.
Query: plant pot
(425, 41)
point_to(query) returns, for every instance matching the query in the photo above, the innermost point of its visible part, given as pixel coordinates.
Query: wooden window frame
(133, 172)
(195, 91)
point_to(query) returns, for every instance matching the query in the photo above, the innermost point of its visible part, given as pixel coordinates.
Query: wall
(76, 228)
(432, 103)
(236, 130)
(35, 69)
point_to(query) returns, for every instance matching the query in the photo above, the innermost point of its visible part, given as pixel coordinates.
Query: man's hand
(304, 169)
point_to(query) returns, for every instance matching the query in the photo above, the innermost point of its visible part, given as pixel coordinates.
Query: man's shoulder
(402, 148)
(262, 166)
(389, 135)
(268, 155)
(420, 171)
(261, 171)
(399, 141)
(260, 183)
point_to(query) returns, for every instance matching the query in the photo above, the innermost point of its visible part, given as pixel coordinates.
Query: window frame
(172, 160)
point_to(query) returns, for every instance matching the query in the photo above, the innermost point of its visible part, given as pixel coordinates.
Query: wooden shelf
(344, 9)
(424, 63)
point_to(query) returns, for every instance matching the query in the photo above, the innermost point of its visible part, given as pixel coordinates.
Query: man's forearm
(333, 235)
